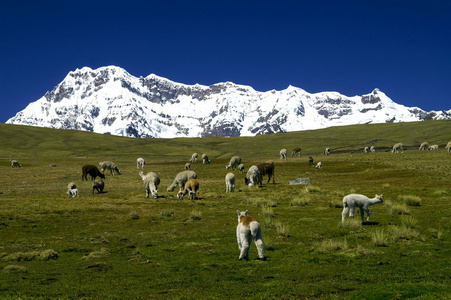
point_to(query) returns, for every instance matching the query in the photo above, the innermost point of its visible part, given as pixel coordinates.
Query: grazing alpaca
(191, 187)
(366, 150)
(295, 151)
(267, 169)
(327, 151)
(351, 201)
(448, 147)
(181, 178)
(283, 154)
(253, 177)
(140, 162)
(15, 164)
(92, 170)
(424, 146)
(205, 159)
(230, 182)
(319, 165)
(72, 192)
(372, 149)
(194, 157)
(233, 163)
(150, 181)
(98, 185)
(397, 147)
(187, 166)
(248, 228)
(109, 165)
(310, 161)
(241, 168)
(433, 147)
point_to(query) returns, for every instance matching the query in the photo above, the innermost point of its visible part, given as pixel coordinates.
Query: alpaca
(327, 151)
(267, 168)
(230, 182)
(109, 165)
(191, 187)
(253, 177)
(234, 162)
(150, 181)
(351, 201)
(433, 147)
(397, 147)
(310, 161)
(241, 168)
(248, 228)
(366, 149)
(91, 170)
(181, 178)
(448, 147)
(283, 154)
(319, 165)
(15, 163)
(295, 151)
(194, 157)
(372, 149)
(187, 166)
(424, 146)
(140, 162)
(205, 159)
(72, 192)
(98, 185)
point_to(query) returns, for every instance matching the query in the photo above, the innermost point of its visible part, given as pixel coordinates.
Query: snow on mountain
(110, 100)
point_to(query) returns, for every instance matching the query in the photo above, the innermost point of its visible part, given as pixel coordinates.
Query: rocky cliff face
(109, 100)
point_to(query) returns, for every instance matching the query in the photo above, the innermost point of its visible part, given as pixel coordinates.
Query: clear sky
(401, 47)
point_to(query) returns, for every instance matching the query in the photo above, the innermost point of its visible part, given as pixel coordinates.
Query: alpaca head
(154, 194)
(380, 197)
(242, 214)
(180, 195)
(192, 195)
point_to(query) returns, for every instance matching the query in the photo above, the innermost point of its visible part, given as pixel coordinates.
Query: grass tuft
(402, 232)
(351, 224)
(379, 238)
(282, 230)
(397, 208)
(300, 201)
(331, 245)
(196, 215)
(410, 200)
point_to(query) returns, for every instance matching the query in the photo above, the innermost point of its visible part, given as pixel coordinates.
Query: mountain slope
(110, 100)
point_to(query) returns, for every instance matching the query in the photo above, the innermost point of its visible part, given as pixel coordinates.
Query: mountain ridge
(110, 100)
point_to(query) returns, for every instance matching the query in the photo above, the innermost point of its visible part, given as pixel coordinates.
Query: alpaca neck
(374, 201)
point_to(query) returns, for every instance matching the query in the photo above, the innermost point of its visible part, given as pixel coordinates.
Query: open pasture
(121, 245)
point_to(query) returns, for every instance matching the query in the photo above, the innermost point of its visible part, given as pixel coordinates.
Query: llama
(372, 149)
(327, 151)
(187, 166)
(92, 170)
(433, 147)
(191, 187)
(205, 159)
(253, 177)
(241, 168)
(397, 147)
(109, 165)
(319, 165)
(194, 157)
(233, 163)
(295, 151)
(15, 164)
(140, 162)
(230, 182)
(248, 228)
(351, 201)
(283, 154)
(448, 147)
(310, 161)
(150, 181)
(181, 178)
(72, 193)
(424, 146)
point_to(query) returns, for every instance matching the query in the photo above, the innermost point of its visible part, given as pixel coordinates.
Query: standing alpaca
(283, 154)
(205, 159)
(15, 164)
(327, 151)
(140, 162)
(248, 228)
(351, 201)
(448, 146)
(191, 187)
(424, 146)
(295, 151)
(234, 162)
(230, 182)
(397, 147)
(194, 157)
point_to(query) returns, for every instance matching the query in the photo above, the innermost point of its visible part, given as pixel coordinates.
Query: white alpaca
(248, 228)
(140, 162)
(366, 149)
(194, 157)
(15, 164)
(448, 147)
(234, 162)
(241, 168)
(372, 149)
(205, 159)
(433, 147)
(397, 147)
(150, 181)
(187, 166)
(351, 201)
(230, 182)
(253, 177)
(283, 154)
(424, 146)
(319, 165)
(72, 192)
(327, 151)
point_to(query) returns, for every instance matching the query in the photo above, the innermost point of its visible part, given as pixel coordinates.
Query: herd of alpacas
(248, 227)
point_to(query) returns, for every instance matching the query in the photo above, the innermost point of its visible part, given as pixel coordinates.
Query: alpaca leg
(244, 247)
(344, 213)
(368, 212)
(258, 240)
(351, 212)
(362, 214)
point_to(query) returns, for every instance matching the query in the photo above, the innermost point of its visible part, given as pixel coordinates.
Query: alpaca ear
(246, 212)
(238, 213)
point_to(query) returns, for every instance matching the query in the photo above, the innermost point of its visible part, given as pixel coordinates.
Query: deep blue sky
(401, 47)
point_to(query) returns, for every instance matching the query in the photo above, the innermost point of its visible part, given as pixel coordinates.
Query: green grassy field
(120, 245)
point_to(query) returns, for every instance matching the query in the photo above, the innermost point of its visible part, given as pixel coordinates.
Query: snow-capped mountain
(110, 100)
